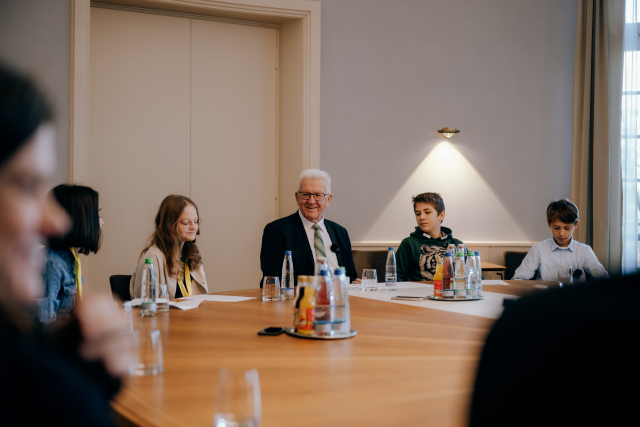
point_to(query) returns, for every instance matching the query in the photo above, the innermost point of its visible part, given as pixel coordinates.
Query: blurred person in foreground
(67, 376)
(564, 357)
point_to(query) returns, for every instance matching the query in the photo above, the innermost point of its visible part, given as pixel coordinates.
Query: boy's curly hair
(564, 210)
(433, 199)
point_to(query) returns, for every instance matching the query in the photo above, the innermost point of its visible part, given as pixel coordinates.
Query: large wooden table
(408, 366)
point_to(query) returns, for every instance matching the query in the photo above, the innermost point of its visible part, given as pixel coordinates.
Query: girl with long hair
(62, 273)
(172, 247)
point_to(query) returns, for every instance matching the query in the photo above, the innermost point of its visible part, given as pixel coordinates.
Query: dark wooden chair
(512, 261)
(120, 287)
(371, 259)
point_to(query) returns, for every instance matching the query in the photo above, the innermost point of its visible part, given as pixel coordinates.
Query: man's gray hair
(316, 174)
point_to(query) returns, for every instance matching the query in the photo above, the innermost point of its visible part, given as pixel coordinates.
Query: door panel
(233, 146)
(140, 129)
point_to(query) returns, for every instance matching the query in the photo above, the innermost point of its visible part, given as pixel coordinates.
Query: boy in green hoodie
(416, 257)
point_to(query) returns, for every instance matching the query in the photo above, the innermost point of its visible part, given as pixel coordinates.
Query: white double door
(182, 106)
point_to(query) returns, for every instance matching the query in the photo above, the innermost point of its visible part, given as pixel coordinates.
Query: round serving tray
(293, 333)
(432, 298)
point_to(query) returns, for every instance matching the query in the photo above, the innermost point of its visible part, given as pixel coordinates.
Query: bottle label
(286, 291)
(304, 319)
(437, 288)
(148, 306)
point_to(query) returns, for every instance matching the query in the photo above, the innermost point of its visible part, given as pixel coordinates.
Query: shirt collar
(555, 247)
(308, 224)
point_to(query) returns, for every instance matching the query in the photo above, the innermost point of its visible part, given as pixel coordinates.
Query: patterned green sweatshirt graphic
(416, 257)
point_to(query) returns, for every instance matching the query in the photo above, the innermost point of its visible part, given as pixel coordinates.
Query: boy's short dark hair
(564, 210)
(81, 203)
(433, 199)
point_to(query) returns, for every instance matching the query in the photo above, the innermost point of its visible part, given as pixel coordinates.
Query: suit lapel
(334, 240)
(302, 235)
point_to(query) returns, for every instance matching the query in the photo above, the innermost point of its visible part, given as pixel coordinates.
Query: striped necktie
(317, 242)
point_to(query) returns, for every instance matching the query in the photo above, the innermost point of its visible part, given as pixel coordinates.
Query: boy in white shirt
(546, 257)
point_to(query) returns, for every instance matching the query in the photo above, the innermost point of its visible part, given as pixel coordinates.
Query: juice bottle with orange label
(437, 279)
(305, 307)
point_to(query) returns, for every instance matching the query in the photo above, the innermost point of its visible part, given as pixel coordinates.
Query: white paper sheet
(217, 298)
(494, 282)
(491, 307)
(184, 305)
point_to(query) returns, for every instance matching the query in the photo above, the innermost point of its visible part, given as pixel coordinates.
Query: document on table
(217, 298)
(494, 282)
(182, 305)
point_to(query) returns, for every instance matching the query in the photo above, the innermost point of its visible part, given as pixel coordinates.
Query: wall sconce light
(448, 132)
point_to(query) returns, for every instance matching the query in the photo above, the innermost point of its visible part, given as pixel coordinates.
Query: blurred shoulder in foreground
(567, 357)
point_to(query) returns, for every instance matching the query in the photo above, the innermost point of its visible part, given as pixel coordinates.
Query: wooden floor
(408, 366)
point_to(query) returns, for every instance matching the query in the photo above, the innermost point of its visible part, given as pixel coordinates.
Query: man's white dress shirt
(544, 259)
(332, 259)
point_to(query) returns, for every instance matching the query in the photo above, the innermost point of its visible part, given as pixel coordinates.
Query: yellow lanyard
(185, 292)
(78, 273)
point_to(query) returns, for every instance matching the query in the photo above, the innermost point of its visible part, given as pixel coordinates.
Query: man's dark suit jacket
(288, 234)
(565, 357)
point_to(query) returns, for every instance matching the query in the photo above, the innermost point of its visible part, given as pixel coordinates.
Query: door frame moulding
(268, 13)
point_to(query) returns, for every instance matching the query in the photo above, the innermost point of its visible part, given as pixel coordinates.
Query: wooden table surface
(487, 266)
(408, 366)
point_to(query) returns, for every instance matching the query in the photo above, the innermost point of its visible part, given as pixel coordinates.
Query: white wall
(35, 37)
(394, 72)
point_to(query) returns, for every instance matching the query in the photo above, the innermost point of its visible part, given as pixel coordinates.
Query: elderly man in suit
(306, 233)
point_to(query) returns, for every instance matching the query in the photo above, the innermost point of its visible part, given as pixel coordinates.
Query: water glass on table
(162, 302)
(369, 280)
(271, 288)
(238, 400)
(128, 312)
(565, 275)
(146, 349)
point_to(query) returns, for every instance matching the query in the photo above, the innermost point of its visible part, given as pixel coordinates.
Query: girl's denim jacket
(59, 276)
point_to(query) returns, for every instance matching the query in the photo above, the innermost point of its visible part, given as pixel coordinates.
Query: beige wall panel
(291, 153)
(139, 134)
(233, 153)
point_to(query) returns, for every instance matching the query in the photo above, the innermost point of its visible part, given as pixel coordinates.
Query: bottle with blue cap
(149, 290)
(390, 278)
(322, 325)
(339, 297)
(287, 290)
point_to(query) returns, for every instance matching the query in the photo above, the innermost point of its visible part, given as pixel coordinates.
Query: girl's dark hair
(81, 203)
(22, 110)
(167, 239)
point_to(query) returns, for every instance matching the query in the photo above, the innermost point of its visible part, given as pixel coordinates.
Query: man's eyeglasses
(318, 196)
(187, 222)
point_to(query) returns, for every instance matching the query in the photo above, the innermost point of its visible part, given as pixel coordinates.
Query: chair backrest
(370, 259)
(120, 286)
(512, 261)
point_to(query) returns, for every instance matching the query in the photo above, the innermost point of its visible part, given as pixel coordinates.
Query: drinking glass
(369, 280)
(565, 275)
(146, 357)
(238, 402)
(162, 303)
(128, 312)
(271, 288)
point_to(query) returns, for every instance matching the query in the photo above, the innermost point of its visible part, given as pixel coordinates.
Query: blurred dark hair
(564, 210)
(22, 110)
(81, 203)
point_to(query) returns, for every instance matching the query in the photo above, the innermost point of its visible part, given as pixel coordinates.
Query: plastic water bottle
(390, 278)
(472, 291)
(322, 325)
(338, 315)
(149, 289)
(447, 277)
(344, 288)
(460, 280)
(478, 275)
(286, 282)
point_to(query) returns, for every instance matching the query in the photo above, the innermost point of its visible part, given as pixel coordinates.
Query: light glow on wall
(473, 211)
